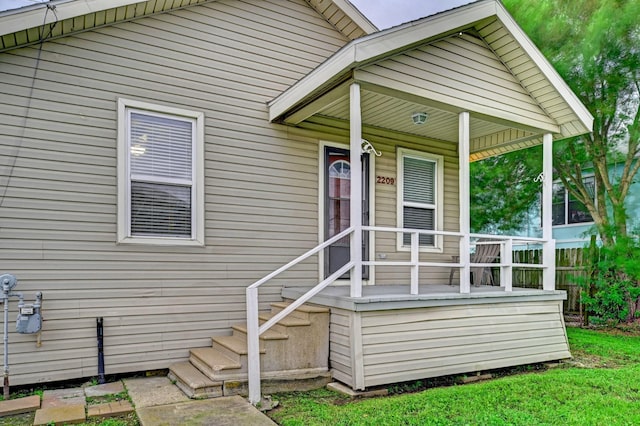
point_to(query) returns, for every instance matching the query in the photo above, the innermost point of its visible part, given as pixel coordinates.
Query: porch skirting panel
(380, 341)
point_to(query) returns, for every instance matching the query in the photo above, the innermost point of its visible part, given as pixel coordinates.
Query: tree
(504, 190)
(595, 46)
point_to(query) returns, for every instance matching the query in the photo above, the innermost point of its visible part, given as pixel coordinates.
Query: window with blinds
(418, 195)
(161, 175)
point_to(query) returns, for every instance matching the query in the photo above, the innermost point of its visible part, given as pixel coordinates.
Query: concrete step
(233, 347)
(283, 325)
(211, 362)
(294, 350)
(304, 312)
(240, 331)
(192, 382)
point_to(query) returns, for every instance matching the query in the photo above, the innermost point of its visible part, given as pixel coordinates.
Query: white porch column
(355, 148)
(549, 249)
(465, 221)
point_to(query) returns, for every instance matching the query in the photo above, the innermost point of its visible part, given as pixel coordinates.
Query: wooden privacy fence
(569, 266)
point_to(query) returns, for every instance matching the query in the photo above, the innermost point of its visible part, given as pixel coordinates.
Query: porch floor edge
(386, 297)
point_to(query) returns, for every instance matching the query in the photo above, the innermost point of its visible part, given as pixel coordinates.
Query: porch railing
(505, 264)
(254, 329)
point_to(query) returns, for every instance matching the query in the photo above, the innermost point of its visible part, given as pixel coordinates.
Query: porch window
(566, 209)
(419, 196)
(160, 159)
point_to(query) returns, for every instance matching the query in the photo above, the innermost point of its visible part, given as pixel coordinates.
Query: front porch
(427, 98)
(389, 335)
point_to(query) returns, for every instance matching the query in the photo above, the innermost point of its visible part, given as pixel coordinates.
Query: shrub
(611, 289)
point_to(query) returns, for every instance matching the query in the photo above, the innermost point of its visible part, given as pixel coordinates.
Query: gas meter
(29, 318)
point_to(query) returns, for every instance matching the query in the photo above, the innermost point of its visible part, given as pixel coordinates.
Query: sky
(13, 4)
(383, 13)
(387, 13)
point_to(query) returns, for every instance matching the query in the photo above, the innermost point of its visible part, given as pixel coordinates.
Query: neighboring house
(572, 222)
(158, 160)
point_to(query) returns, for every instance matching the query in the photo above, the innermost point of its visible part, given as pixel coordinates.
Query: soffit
(28, 25)
(344, 17)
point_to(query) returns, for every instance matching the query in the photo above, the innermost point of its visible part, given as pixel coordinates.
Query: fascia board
(340, 63)
(546, 68)
(32, 16)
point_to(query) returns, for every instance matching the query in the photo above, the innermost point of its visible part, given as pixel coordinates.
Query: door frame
(321, 209)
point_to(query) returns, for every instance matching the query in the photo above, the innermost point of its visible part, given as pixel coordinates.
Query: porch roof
(473, 58)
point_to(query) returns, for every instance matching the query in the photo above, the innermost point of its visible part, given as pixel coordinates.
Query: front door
(337, 194)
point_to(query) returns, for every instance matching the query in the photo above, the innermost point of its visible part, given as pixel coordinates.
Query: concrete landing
(151, 391)
(224, 411)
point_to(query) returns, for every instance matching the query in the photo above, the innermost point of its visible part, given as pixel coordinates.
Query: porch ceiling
(392, 113)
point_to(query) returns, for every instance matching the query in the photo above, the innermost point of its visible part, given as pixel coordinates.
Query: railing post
(549, 247)
(506, 268)
(253, 345)
(464, 200)
(549, 262)
(414, 262)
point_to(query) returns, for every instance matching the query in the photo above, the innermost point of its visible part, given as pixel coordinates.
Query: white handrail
(411, 230)
(254, 329)
(302, 257)
(305, 297)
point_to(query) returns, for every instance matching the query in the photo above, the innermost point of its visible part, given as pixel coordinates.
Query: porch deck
(382, 297)
(390, 336)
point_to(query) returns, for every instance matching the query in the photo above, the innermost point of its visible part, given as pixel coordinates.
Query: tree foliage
(595, 47)
(503, 190)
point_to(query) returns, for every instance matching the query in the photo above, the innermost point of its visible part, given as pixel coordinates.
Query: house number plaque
(385, 180)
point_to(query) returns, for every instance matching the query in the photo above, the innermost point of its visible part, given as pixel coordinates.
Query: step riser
(294, 314)
(196, 393)
(226, 351)
(216, 375)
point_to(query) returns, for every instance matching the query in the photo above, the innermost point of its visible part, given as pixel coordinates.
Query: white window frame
(566, 204)
(125, 106)
(438, 208)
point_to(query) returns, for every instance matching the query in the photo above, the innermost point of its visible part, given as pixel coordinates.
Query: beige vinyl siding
(58, 231)
(386, 198)
(461, 71)
(340, 347)
(386, 213)
(531, 77)
(409, 344)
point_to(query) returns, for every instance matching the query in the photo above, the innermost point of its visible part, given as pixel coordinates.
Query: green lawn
(602, 389)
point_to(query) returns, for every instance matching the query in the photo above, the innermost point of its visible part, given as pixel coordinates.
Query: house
(572, 223)
(164, 160)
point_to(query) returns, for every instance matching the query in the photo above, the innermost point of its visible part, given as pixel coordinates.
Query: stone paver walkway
(69, 406)
(223, 411)
(158, 402)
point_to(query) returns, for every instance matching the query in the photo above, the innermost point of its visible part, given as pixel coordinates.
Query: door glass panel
(337, 183)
